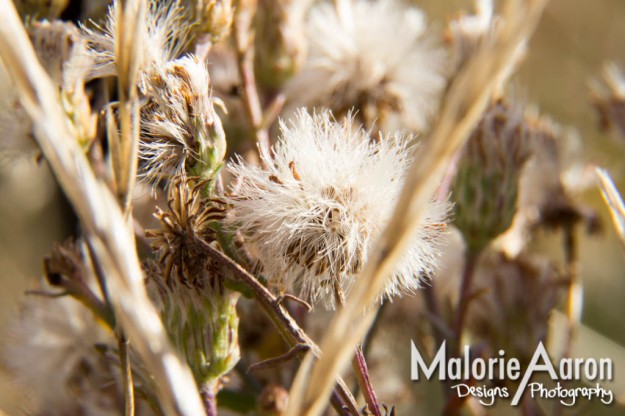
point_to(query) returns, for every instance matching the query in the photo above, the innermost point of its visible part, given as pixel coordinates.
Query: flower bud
(280, 41)
(487, 180)
(213, 18)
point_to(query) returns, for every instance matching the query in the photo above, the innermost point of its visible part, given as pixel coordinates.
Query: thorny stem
(288, 328)
(245, 62)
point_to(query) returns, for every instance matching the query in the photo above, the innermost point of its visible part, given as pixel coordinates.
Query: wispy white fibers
(312, 216)
(376, 56)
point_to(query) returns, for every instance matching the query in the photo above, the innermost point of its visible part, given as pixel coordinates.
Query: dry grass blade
(614, 201)
(465, 102)
(130, 44)
(100, 216)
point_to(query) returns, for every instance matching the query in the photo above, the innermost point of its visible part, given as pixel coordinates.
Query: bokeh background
(572, 42)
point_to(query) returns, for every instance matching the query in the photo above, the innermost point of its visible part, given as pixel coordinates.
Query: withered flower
(517, 297)
(199, 313)
(190, 218)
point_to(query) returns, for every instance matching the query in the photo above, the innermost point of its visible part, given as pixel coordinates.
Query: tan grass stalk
(614, 201)
(129, 49)
(100, 215)
(466, 100)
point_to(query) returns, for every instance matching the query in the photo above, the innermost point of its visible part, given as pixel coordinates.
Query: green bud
(487, 179)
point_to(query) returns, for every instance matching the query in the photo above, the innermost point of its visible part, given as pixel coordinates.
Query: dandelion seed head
(312, 217)
(375, 56)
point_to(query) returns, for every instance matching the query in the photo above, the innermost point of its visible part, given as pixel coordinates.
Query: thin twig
(127, 383)
(574, 296)
(244, 40)
(614, 201)
(129, 47)
(288, 328)
(277, 361)
(464, 298)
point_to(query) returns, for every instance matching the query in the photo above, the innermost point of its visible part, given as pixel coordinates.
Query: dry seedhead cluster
(312, 161)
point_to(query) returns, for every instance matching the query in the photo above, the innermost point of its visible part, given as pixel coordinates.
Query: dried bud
(377, 57)
(518, 296)
(213, 18)
(608, 97)
(273, 400)
(41, 9)
(487, 180)
(467, 32)
(280, 40)
(198, 312)
(64, 53)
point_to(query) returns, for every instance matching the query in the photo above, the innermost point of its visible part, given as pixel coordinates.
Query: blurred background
(572, 42)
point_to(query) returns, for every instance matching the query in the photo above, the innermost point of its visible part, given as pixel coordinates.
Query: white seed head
(166, 32)
(51, 350)
(376, 56)
(312, 217)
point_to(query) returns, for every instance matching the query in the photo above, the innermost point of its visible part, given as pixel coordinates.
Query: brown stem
(362, 374)
(571, 257)
(245, 63)
(127, 383)
(464, 298)
(455, 403)
(288, 328)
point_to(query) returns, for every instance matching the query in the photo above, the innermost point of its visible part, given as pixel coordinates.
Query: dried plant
(276, 144)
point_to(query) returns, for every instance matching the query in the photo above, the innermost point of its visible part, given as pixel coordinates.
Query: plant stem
(573, 301)
(127, 384)
(464, 297)
(362, 374)
(288, 328)
(245, 63)
(209, 398)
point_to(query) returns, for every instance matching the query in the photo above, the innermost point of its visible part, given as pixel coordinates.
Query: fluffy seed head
(52, 350)
(375, 56)
(312, 217)
(180, 130)
(166, 32)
